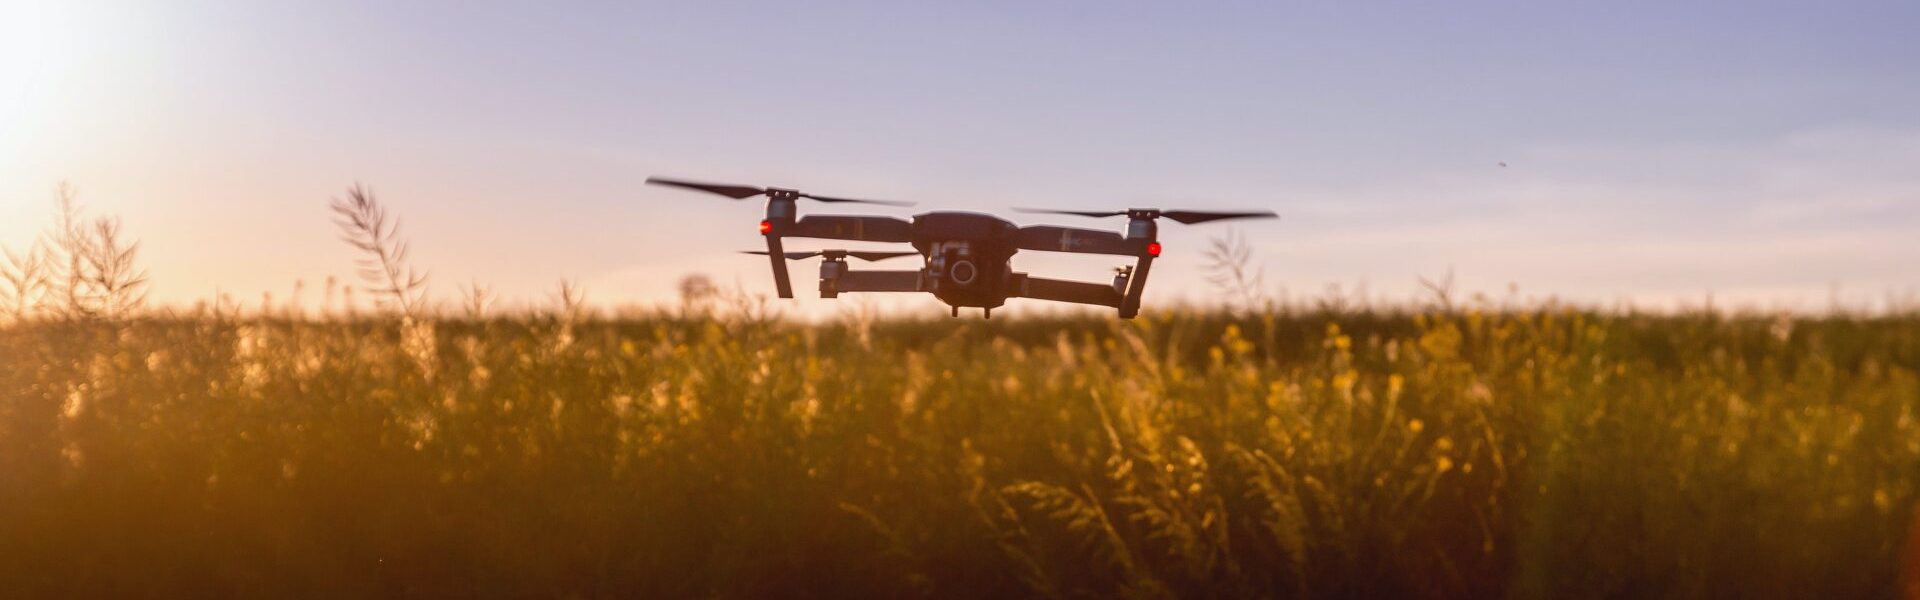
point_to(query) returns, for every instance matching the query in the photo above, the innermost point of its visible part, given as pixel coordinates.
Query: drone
(966, 256)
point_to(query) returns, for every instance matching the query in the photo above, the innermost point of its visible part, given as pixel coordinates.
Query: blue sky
(1766, 153)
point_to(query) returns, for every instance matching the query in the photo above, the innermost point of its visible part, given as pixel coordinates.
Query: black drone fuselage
(967, 256)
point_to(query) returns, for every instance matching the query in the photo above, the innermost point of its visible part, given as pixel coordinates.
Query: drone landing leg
(1135, 288)
(778, 257)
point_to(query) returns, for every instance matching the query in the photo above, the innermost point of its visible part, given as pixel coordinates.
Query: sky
(1656, 153)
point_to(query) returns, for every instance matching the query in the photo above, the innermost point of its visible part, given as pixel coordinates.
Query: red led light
(1153, 248)
(766, 227)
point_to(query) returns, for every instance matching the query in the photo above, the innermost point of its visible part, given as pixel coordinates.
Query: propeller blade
(1079, 213)
(1190, 217)
(737, 192)
(742, 192)
(860, 254)
(831, 199)
(789, 255)
(872, 256)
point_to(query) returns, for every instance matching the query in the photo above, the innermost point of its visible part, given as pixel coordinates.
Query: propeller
(1188, 217)
(831, 254)
(742, 192)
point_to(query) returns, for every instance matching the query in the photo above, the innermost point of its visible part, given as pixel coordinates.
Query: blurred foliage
(1549, 452)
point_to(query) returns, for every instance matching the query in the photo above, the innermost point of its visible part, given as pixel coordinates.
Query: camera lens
(963, 272)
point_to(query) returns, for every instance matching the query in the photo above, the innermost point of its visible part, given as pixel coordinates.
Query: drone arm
(858, 228)
(1089, 241)
(1040, 288)
(1050, 238)
(870, 281)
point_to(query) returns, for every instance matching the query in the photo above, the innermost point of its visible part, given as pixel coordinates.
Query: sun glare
(34, 54)
(59, 63)
(65, 67)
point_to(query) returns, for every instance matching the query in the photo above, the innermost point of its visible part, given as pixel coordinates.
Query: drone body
(966, 257)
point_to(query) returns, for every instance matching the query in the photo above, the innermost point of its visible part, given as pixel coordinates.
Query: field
(1545, 452)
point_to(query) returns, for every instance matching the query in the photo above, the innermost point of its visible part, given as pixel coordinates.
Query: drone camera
(963, 272)
(953, 263)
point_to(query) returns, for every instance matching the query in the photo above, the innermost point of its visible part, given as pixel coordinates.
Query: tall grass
(713, 451)
(81, 268)
(1537, 453)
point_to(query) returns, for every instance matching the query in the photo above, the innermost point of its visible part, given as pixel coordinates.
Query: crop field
(1543, 452)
